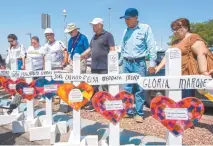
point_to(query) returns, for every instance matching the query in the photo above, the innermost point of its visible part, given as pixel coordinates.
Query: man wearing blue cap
(137, 43)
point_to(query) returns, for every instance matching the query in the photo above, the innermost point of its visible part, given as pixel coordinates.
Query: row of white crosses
(41, 127)
(5, 118)
(45, 128)
(172, 82)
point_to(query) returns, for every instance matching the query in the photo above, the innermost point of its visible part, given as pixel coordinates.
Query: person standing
(78, 43)
(15, 51)
(56, 49)
(137, 43)
(101, 44)
(197, 59)
(35, 53)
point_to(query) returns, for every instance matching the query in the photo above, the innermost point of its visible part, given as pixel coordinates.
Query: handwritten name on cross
(147, 83)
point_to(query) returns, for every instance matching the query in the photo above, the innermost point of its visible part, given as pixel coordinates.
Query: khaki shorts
(69, 67)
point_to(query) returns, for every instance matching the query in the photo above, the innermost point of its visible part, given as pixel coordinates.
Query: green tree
(204, 29)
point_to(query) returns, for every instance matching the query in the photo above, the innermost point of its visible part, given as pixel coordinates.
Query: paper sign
(177, 116)
(113, 62)
(174, 54)
(75, 95)
(149, 83)
(97, 79)
(12, 86)
(170, 82)
(113, 68)
(114, 105)
(113, 108)
(176, 113)
(50, 88)
(25, 73)
(28, 91)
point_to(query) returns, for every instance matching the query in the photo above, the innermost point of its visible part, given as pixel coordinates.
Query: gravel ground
(200, 134)
(9, 138)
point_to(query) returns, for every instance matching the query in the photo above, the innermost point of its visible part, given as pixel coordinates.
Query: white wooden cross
(5, 118)
(38, 129)
(173, 68)
(173, 83)
(113, 68)
(75, 135)
(48, 129)
(23, 125)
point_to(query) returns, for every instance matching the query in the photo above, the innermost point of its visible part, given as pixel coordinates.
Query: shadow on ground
(9, 138)
(126, 136)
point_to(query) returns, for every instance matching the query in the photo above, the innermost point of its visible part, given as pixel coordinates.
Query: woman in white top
(15, 51)
(35, 52)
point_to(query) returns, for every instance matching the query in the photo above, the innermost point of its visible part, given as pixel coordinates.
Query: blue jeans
(140, 68)
(188, 93)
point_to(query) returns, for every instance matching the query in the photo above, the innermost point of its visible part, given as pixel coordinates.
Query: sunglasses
(176, 28)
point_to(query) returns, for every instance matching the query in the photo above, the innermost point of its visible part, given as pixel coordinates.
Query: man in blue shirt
(78, 43)
(137, 43)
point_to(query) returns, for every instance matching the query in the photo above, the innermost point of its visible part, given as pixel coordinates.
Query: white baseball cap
(70, 28)
(48, 30)
(97, 21)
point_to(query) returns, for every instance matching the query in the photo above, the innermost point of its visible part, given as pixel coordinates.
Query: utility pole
(109, 19)
(30, 36)
(65, 25)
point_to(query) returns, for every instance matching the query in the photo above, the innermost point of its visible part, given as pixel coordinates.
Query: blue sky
(23, 16)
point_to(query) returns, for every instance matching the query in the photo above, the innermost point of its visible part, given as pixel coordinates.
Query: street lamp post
(109, 19)
(65, 24)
